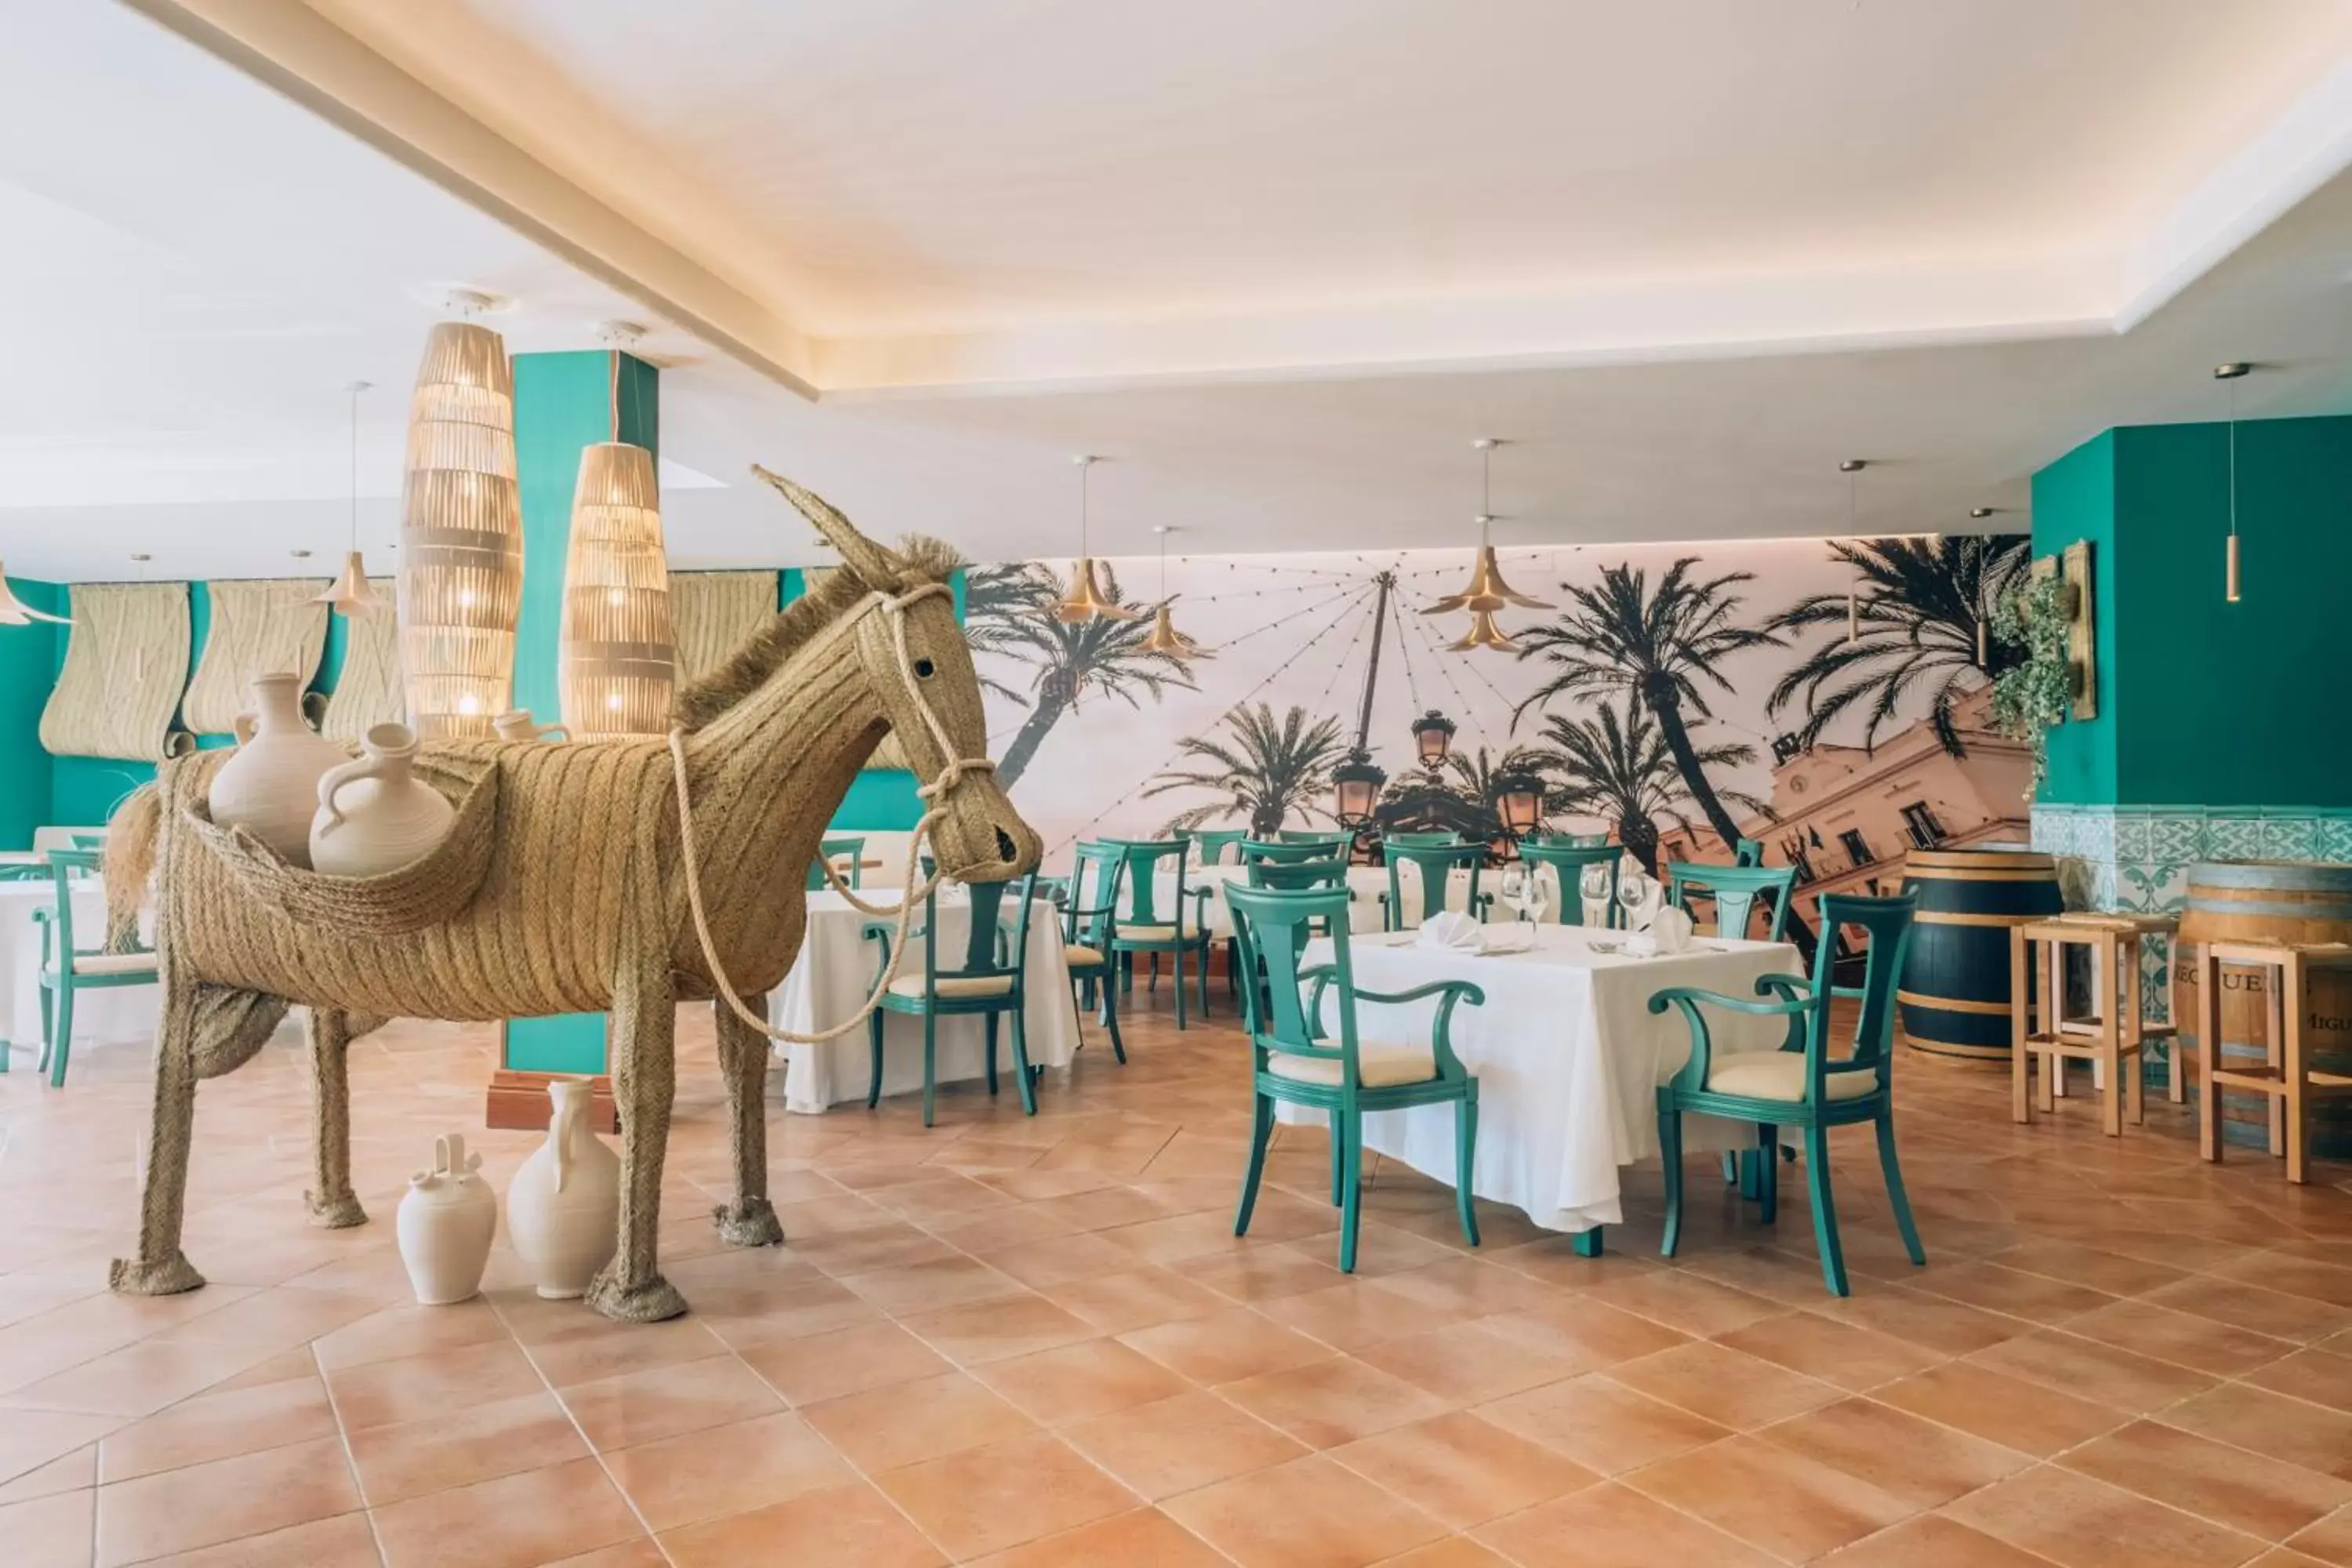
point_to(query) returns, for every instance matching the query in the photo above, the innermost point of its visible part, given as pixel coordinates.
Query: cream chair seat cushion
(1778, 1074)
(1078, 957)
(1158, 932)
(954, 985)
(1383, 1066)
(114, 963)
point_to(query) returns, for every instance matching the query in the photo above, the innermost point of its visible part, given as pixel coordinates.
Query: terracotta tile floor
(1024, 1341)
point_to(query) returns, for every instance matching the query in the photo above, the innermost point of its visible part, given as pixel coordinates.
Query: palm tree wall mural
(1922, 605)
(1006, 614)
(1651, 694)
(1261, 772)
(1622, 771)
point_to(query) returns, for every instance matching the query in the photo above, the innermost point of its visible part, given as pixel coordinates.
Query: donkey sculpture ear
(874, 565)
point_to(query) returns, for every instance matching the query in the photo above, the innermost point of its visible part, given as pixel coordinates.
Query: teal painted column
(564, 403)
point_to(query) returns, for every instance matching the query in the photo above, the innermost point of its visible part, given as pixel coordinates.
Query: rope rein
(951, 774)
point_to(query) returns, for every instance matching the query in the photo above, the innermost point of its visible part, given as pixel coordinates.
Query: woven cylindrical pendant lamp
(618, 650)
(460, 536)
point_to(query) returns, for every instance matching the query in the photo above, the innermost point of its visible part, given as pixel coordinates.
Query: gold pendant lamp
(1980, 514)
(617, 651)
(2233, 372)
(460, 590)
(1165, 638)
(15, 611)
(1084, 600)
(350, 593)
(1487, 593)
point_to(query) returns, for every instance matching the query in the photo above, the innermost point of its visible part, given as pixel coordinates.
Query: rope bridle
(953, 772)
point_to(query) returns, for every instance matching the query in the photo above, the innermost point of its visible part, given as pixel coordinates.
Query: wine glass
(1514, 889)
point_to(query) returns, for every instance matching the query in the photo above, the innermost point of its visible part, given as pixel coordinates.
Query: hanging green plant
(2031, 697)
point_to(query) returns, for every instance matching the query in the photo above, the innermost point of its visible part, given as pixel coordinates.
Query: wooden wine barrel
(2272, 900)
(1954, 988)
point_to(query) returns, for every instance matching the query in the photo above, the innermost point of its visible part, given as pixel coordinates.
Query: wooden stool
(2289, 1079)
(2108, 1038)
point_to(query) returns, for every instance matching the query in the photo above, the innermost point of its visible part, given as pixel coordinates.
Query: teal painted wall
(2075, 498)
(28, 668)
(2201, 701)
(564, 402)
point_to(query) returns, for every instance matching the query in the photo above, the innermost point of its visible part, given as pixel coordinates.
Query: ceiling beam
(294, 50)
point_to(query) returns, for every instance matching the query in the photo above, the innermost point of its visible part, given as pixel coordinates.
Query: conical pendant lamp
(1165, 638)
(15, 611)
(1084, 600)
(1488, 592)
(1850, 467)
(1484, 633)
(2233, 372)
(350, 593)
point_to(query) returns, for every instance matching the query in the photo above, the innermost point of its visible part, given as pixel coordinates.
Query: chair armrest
(1451, 994)
(1693, 1072)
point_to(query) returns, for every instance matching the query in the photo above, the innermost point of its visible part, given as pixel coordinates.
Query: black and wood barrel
(1955, 987)
(2271, 900)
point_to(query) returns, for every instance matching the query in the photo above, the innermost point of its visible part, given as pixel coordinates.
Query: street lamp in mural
(1518, 801)
(1355, 790)
(1432, 738)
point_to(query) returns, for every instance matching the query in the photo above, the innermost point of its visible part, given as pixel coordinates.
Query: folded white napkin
(1451, 930)
(1668, 930)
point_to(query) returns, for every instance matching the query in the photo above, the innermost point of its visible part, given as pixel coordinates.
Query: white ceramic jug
(446, 1223)
(517, 724)
(270, 788)
(375, 815)
(563, 1206)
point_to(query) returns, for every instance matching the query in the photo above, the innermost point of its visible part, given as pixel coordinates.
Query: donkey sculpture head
(915, 654)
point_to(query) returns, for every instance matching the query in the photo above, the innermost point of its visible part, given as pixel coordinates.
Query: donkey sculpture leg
(630, 1289)
(162, 1268)
(750, 1220)
(333, 1204)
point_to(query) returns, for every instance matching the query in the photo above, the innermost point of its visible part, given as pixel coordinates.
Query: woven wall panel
(126, 655)
(367, 689)
(266, 627)
(889, 754)
(711, 612)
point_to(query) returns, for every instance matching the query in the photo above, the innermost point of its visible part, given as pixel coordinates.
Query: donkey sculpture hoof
(654, 1301)
(750, 1222)
(336, 1212)
(136, 1277)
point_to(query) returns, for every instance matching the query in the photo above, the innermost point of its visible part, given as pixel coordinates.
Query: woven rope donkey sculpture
(617, 876)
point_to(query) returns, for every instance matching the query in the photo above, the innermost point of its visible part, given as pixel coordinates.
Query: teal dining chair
(835, 849)
(1800, 1086)
(1568, 862)
(1254, 850)
(991, 981)
(1096, 873)
(1735, 889)
(1212, 842)
(1435, 864)
(1142, 929)
(1295, 1060)
(68, 968)
(1748, 852)
(1421, 840)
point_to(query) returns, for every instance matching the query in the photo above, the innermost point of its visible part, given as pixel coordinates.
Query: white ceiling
(1278, 263)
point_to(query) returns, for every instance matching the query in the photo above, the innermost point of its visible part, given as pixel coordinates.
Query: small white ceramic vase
(563, 1206)
(375, 815)
(445, 1224)
(270, 788)
(517, 724)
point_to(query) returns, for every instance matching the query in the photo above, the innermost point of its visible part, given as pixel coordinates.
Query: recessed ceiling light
(1980, 512)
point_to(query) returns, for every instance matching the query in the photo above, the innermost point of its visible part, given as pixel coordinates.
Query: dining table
(1568, 1056)
(1368, 884)
(834, 974)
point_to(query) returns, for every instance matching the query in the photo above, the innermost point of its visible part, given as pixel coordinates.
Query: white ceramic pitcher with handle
(517, 724)
(270, 787)
(374, 813)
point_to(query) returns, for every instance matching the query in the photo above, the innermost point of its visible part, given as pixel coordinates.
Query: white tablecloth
(113, 1015)
(1568, 1057)
(1369, 883)
(835, 972)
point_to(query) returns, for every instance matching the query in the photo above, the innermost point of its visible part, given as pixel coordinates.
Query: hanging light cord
(355, 467)
(1485, 496)
(2233, 459)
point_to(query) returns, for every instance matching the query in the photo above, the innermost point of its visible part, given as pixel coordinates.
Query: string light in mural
(1165, 638)
(350, 593)
(1852, 468)
(1086, 601)
(1487, 593)
(2233, 372)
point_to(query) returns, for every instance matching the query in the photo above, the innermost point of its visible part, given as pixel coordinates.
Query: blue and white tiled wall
(2136, 859)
